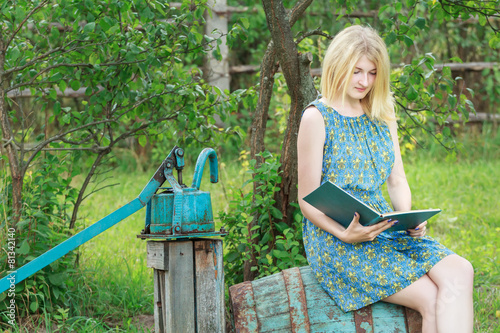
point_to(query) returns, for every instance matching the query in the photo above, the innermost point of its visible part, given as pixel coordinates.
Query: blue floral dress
(359, 156)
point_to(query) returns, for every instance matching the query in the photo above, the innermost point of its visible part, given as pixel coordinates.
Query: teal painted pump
(177, 212)
(180, 211)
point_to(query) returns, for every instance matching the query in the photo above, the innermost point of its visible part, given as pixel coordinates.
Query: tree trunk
(307, 93)
(301, 87)
(268, 68)
(296, 71)
(16, 169)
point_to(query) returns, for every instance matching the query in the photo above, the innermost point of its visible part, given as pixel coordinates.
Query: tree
(422, 92)
(134, 69)
(134, 61)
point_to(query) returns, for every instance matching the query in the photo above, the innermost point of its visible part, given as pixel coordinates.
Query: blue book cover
(340, 206)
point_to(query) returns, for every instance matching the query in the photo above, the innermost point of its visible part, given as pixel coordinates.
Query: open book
(340, 206)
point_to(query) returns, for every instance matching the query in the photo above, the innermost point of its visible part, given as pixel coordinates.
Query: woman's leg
(454, 277)
(421, 296)
(443, 296)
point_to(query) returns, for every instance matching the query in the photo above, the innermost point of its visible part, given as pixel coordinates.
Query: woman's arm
(397, 185)
(310, 145)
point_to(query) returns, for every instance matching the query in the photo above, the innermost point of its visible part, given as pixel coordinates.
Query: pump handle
(200, 164)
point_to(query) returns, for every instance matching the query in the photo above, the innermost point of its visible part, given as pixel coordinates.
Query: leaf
(231, 256)
(93, 58)
(482, 20)
(53, 94)
(34, 306)
(265, 238)
(14, 53)
(390, 38)
(75, 85)
(66, 118)
(403, 79)
(452, 99)
(62, 86)
(420, 23)
(57, 108)
(411, 94)
(57, 279)
(143, 140)
(280, 254)
(276, 213)
(408, 41)
(382, 9)
(24, 248)
(245, 22)
(494, 42)
(446, 71)
(89, 27)
(104, 24)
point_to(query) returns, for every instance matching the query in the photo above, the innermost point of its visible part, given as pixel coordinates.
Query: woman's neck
(348, 107)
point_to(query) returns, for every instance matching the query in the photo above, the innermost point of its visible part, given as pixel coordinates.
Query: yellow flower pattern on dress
(354, 260)
(359, 156)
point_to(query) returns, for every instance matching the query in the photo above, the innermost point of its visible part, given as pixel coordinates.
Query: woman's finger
(417, 232)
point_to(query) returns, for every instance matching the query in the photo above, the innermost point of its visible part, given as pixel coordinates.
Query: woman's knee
(453, 272)
(466, 269)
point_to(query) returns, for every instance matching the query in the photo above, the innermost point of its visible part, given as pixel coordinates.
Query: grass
(114, 286)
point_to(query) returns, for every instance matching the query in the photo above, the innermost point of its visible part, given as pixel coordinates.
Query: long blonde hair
(341, 57)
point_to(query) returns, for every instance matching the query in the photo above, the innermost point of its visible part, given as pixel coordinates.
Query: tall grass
(114, 286)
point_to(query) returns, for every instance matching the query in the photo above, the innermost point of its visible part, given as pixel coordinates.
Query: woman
(349, 136)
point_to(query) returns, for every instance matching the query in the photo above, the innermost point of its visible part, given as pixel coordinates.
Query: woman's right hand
(356, 233)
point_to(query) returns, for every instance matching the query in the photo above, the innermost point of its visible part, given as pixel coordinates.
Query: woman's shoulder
(312, 115)
(315, 107)
(312, 120)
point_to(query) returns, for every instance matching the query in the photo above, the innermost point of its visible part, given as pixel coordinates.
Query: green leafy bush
(48, 195)
(279, 246)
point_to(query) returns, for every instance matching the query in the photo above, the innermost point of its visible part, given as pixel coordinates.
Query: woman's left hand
(419, 231)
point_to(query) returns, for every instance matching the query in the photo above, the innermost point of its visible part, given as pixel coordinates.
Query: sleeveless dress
(359, 156)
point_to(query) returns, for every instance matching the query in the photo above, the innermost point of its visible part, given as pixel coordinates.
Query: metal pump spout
(200, 164)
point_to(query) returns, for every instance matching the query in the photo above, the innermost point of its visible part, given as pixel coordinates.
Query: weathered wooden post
(217, 72)
(188, 268)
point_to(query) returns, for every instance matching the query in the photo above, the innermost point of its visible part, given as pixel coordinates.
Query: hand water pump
(179, 212)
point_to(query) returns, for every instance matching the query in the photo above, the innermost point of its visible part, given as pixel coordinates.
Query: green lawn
(116, 286)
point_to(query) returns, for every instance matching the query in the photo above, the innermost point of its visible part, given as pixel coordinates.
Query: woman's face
(362, 79)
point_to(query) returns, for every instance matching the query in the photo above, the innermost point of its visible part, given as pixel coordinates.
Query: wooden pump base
(188, 285)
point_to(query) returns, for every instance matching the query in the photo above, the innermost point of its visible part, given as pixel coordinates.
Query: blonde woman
(349, 136)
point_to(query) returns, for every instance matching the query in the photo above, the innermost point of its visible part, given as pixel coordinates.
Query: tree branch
(86, 182)
(43, 3)
(41, 145)
(317, 32)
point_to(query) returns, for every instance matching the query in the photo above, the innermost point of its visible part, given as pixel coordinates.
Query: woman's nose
(364, 80)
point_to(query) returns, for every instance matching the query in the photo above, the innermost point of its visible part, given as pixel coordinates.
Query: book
(340, 206)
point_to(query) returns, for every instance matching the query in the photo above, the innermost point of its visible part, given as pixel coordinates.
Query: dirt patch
(144, 323)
